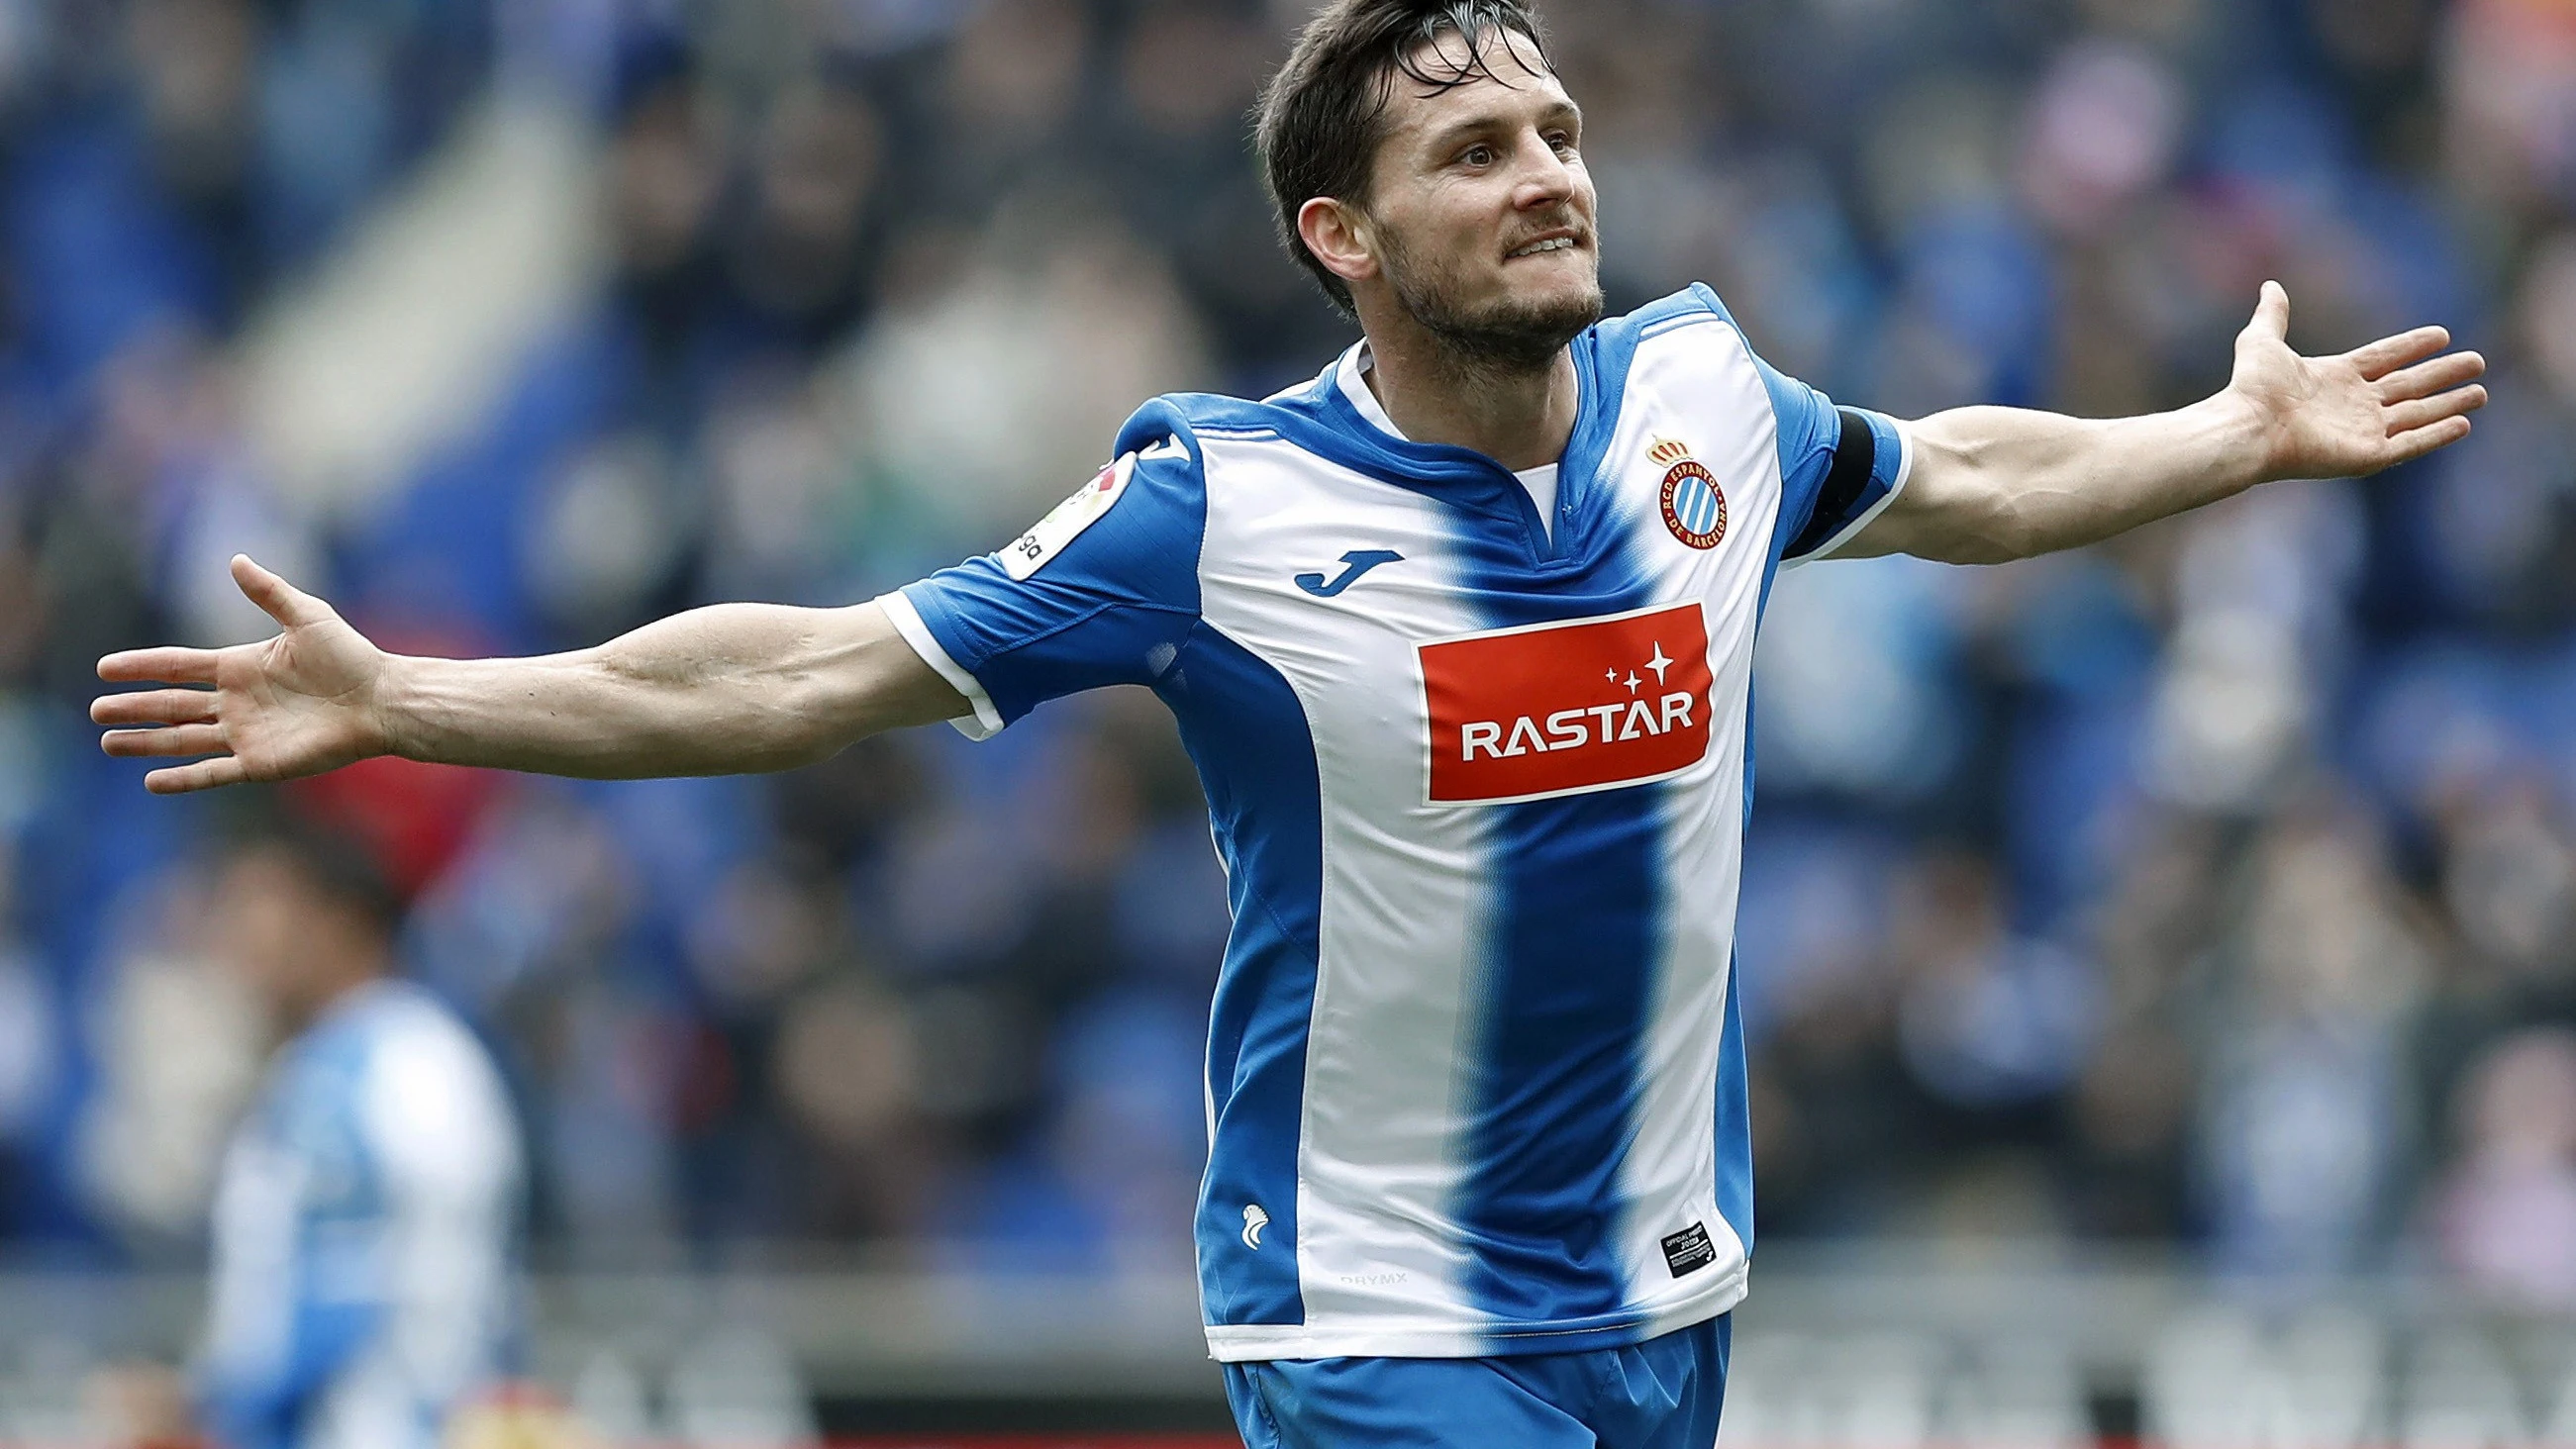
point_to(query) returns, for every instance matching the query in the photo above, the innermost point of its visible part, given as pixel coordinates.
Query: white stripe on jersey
(1674, 1158)
(1376, 1164)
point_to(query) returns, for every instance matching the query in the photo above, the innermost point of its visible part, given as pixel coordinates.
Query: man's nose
(1545, 179)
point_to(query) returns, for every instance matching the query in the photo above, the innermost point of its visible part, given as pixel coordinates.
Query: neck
(326, 994)
(1519, 417)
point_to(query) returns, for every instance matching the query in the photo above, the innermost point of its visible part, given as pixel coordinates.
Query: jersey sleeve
(1101, 591)
(1839, 467)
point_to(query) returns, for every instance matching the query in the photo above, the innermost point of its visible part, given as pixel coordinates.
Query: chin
(1569, 303)
(1520, 322)
(1562, 295)
(1572, 283)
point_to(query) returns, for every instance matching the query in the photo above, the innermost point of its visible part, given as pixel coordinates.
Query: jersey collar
(1352, 428)
(1351, 376)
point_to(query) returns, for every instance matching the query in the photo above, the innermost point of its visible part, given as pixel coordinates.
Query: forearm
(1992, 484)
(732, 689)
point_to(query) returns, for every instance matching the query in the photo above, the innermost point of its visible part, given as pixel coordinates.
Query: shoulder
(1688, 343)
(1148, 503)
(1161, 447)
(1694, 345)
(417, 1041)
(1187, 447)
(1694, 305)
(1197, 419)
(314, 1076)
(431, 1102)
(305, 1104)
(1693, 317)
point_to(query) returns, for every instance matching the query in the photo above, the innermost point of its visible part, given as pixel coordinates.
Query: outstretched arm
(725, 690)
(1991, 484)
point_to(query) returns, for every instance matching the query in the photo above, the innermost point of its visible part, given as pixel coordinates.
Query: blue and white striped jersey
(364, 1235)
(1475, 1076)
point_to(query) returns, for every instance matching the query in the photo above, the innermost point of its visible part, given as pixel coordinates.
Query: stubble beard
(1514, 336)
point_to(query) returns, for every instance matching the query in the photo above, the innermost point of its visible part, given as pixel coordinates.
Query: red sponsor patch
(1559, 709)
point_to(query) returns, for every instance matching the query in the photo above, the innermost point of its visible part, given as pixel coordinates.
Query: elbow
(1984, 529)
(775, 751)
(1978, 549)
(775, 758)
(1960, 507)
(805, 725)
(807, 751)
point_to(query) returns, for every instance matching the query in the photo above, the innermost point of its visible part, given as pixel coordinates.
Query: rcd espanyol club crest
(1694, 506)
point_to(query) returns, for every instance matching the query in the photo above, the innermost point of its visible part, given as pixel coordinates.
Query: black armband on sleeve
(1855, 459)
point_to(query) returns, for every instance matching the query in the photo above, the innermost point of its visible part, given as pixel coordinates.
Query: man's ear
(1339, 236)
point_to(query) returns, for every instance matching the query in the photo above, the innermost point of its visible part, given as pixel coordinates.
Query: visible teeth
(1553, 244)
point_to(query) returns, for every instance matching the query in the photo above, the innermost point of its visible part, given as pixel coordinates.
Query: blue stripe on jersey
(1734, 1122)
(1247, 733)
(1574, 945)
(1574, 948)
(1734, 1107)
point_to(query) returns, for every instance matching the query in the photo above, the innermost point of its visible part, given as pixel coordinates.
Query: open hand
(299, 704)
(2374, 407)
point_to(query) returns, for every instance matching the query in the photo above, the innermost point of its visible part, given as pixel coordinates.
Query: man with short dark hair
(364, 1224)
(1460, 637)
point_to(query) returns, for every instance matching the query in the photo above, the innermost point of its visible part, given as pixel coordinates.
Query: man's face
(1480, 206)
(279, 935)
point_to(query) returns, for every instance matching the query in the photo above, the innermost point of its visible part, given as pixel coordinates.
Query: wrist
(2244, 444)
(392, 719)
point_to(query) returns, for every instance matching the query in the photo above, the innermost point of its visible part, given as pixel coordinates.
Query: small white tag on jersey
(1030, 552)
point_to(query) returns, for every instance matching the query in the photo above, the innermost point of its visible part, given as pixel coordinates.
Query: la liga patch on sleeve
(1030, 551)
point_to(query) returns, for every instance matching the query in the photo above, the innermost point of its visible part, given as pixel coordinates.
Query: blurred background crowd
(2214, 890)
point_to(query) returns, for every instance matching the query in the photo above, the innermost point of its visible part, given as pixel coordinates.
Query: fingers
(2408, 417)
(203, 775)
(285, 603)
(2426, 379)
(2407, 447)
(2378, 359)
(2271, 314)
(154, 707)
(159, 666)
(195, 739)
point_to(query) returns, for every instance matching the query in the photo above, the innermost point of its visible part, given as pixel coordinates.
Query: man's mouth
(1547, 244)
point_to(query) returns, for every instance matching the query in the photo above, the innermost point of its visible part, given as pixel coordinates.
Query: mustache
(1584, 233)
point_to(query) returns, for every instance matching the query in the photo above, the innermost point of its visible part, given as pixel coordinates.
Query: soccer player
(1460, 638)
(364, 1224)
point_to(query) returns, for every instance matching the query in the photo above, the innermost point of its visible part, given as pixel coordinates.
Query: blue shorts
(1660, 1394)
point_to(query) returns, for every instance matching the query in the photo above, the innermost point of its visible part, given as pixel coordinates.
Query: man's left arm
(1990, 484)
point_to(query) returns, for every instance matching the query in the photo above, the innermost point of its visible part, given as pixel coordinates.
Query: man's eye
(1478, 156)
(1562, 140)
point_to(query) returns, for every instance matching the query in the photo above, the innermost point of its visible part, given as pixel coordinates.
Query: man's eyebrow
(1459, 130)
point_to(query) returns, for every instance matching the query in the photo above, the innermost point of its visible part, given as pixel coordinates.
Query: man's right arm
(731, 689)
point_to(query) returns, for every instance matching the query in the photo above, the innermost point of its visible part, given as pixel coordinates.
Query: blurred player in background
(364, 1257)
(1460, 638)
